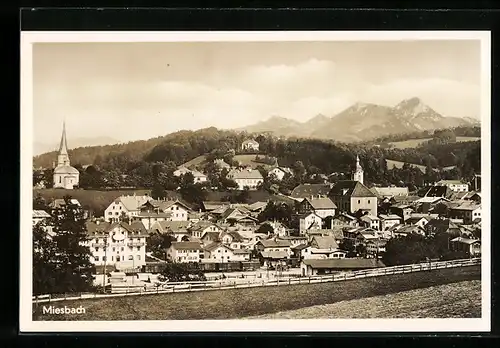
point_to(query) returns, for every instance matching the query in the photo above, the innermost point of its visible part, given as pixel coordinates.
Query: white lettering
(63, 310)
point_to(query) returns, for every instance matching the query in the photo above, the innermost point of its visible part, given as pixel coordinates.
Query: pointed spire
(63, 147)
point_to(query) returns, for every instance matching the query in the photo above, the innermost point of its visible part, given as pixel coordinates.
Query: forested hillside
(144, 163)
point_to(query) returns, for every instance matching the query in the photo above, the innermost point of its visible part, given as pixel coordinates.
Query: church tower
(358, 174)
(63, 157)
(65, 176)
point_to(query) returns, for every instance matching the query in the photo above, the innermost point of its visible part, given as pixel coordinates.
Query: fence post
(65, 296)
(309, 279)
(289, 281)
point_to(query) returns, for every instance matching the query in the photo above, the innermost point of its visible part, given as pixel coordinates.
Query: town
(141, 241)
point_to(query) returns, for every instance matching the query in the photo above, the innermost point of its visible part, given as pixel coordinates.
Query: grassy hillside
(244, 302)
(418, 303)
(246, 160)
(398, 164)
(95, 200)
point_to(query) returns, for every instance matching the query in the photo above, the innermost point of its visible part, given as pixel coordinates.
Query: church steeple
(358, 173)
(63, 157)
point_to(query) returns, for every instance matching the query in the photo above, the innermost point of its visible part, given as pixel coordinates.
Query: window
(96, 258)
(368, 201)
(59, 179)
(104, 258)
(130, 257)
(111, 258)
(96, 250)
(110, 213)
(359, 201)
(123, 248)
(138, 257)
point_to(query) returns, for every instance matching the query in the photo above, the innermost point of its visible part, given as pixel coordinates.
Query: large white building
(454, 185)
(358, 173)
(65, 176)
(120, 244)
(127, 205)
(250, 145)
(250, 178)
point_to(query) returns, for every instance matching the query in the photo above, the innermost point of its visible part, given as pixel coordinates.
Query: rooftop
(351, 188)
(343, 263)
(186, 246)
(308, 190)
(321, 203)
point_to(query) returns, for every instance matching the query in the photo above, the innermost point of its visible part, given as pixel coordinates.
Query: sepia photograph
(255, 181)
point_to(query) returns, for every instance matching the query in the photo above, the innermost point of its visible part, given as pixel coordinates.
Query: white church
(65, 176)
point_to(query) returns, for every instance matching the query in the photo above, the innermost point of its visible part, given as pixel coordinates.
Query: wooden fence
(173, 287)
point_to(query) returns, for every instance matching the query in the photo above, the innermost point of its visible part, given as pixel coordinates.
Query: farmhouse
(387, 221)
(178, 229)
(470, 246)
(309, 221)
(128, 206)
(39, 216)
(199, 229)
(222, 253)
(321, 206)
(371, 221)
(322, 248)
(402, 210)
(181, 171)
(313, 267)
(280, 172)
(466, 211)
(177, 210)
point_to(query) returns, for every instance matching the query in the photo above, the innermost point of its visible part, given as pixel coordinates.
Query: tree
(265, 228)
(281, 212)
(44, 256)
(158, 192)
(349, 246)
(158, 243)
(181, 272)
(72, 267)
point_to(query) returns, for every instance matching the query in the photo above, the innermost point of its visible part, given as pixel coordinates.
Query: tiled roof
(60, 202)
(467, 206)
(186, 246)
(257, 205)
(343, 263)
(321, 203)
(174, 226)
(300, 247)
(236, 174)
(464, 240)
(201, 225)
(351, 188)
(308, 190)
(132, 202)
(271, 243)
(241, 251)
(146, 214)
(212, 205)
(389, 217)
(324, 242)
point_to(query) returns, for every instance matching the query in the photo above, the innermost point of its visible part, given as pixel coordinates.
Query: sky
(132, 91)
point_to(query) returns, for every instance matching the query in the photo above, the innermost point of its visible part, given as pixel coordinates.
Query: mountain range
(40, 148)
(363, 121)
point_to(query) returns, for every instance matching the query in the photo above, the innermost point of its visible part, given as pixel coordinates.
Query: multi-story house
(309, 221)
(371, 221)
(322, 247)
(177, 210)
(185, 252)
(219, 252)
(249, 177)
(387, 221)
(280, 172)
(199, 229)
(118, 244)
(468, 212)
(128, 206)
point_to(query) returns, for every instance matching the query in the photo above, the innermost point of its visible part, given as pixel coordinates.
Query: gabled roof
(324, 242)
(321, 203)
(257, 206)
(60, 202)
(201, 225)
(132, 202)
(467, 206)
(212, 235)
(271, 243)
(450, 182)
(369, 218)
(236, 174)
(343, 263)
(308, 190)
(186, 246)
(300, 247)
(351, 188)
